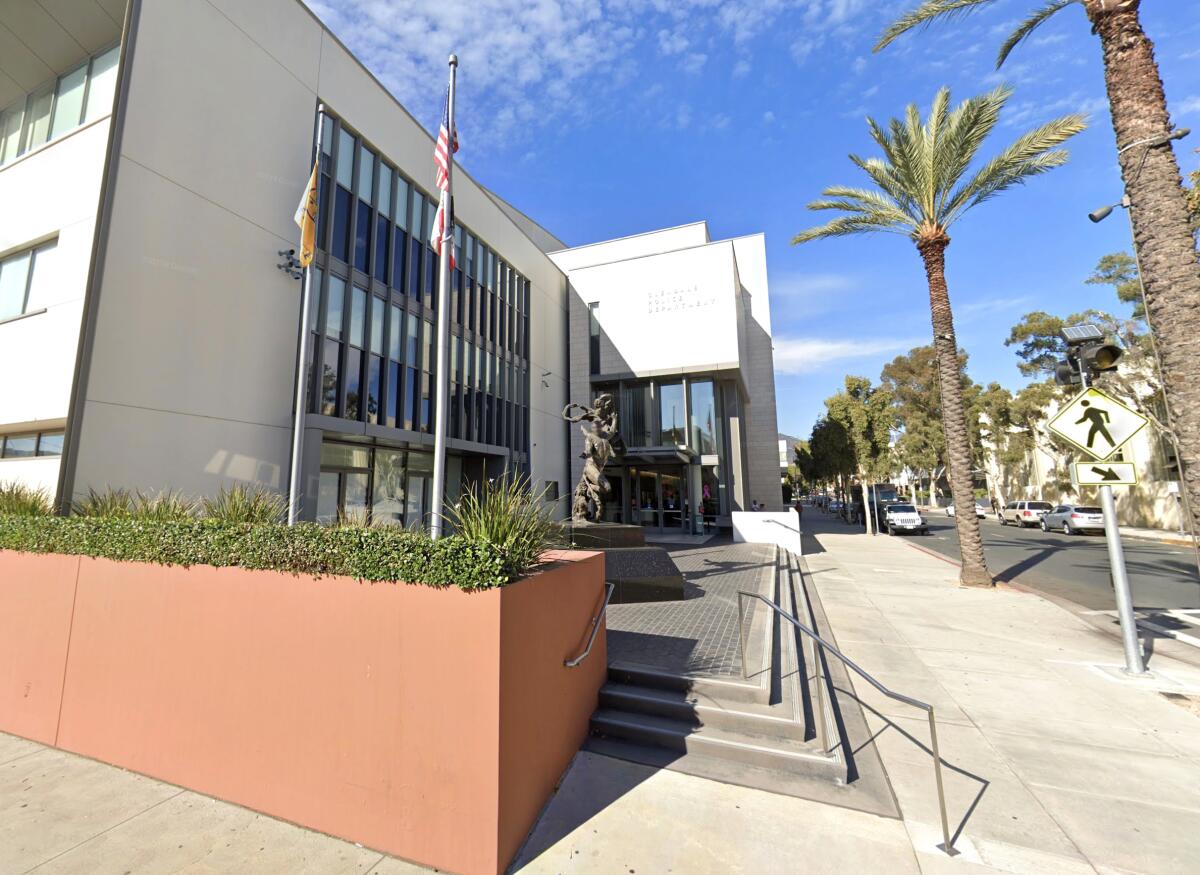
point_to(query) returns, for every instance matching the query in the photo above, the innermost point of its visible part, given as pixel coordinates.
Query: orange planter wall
(432, 724)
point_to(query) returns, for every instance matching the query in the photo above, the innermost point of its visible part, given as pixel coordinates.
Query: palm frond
(925, 14)
(884, 176)
(843, 226)
(1030, 155)
(1028, 26)
(968, 126)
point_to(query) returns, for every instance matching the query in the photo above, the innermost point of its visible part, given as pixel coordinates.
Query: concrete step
(817, 779)
(723, 689)
(683, 737)
(781, 720)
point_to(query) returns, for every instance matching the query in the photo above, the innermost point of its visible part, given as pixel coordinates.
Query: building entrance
(657, 497)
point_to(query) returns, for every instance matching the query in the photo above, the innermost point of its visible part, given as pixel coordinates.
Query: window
(705, 436)
(68, 101)
(593, 339)
(25, 446)
(673, 429)
(80, 95)
(102, 84)
(20, 446)
(21, 276)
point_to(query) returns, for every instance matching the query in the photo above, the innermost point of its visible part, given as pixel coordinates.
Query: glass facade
(80, 95)
(373, 329)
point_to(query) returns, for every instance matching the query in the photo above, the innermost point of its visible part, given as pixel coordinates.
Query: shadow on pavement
(984, 783)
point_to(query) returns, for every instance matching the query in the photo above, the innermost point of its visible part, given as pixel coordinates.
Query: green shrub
(17, 498)
(244, 504)
(507, 513)
(387, 553)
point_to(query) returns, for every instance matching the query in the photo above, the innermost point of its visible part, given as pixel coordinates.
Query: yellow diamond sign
(1096, 423)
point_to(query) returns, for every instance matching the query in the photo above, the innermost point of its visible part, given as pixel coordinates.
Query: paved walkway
(698, 636)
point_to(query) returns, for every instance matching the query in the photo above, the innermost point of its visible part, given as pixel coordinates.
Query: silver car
(1073, 519)
(1024, 513)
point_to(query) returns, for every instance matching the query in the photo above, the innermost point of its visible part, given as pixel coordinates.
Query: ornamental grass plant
(245, 504)
(22, 500)
(509, 515)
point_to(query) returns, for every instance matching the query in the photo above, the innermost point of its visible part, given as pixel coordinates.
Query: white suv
(1025, 513)
(904, 518)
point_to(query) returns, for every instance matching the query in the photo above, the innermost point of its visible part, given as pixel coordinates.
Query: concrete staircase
(760, 732)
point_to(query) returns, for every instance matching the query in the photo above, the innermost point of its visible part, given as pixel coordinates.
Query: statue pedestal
(638, 573)
(601, 536)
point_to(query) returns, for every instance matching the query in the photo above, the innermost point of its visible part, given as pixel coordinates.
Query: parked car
(904, 518)
(980, 510)
(1025, 513)
(1074, 518)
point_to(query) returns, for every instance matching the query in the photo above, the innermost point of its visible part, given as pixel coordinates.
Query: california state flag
(306, 219)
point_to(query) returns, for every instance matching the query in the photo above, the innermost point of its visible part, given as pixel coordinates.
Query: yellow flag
(306, 218)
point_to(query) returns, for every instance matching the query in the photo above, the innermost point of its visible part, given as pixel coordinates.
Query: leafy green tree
(1164, 213)
(864, 413)
(912, 380)
(922, 185)
(1119, 270)
(832, 454)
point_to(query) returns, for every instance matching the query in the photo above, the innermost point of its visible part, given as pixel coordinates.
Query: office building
(148, 337)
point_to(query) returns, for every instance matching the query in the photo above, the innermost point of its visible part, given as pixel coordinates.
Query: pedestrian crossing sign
(1096, 423)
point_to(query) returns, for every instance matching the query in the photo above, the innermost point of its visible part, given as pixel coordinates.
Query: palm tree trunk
(1160, 220)
(954, 420)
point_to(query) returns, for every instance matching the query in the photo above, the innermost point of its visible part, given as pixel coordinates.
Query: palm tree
(922, 186)
(1158, 206)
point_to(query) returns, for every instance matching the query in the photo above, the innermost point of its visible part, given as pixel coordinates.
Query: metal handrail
(608, 591)
(908, 700)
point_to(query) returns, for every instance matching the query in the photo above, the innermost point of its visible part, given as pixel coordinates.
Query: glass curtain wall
(374, 323)
(374, 331)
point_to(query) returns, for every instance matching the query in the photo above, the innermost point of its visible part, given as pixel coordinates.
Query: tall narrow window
(102, 84)
(593, 339)
(68, 101)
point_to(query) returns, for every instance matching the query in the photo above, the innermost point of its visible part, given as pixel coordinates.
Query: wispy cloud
(991, 306)
(802, 355)
(1189, 104)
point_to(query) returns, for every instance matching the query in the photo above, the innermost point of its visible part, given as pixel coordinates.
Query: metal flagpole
(1120, 579)
(443, 322)
(302, 364)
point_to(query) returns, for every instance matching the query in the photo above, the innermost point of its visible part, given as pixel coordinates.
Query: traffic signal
(1086, 349)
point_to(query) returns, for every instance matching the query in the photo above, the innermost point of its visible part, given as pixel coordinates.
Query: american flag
(447, 144)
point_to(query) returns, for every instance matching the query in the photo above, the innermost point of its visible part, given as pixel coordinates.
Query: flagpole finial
(454, 60)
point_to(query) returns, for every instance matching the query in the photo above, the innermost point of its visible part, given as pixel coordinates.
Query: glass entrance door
(658, 498)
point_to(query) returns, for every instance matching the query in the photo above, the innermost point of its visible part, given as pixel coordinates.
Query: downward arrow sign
(1107, 473)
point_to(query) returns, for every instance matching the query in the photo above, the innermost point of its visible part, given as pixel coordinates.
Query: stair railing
(849, 663)
(608, 591)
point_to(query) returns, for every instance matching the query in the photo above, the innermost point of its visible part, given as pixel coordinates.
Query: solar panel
(1081, 333)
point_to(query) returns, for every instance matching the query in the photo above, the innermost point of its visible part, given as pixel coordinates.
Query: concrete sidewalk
(1058, 761)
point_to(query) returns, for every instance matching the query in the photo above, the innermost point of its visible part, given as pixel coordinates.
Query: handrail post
(819, 727)
(937, 772)
(742, 636)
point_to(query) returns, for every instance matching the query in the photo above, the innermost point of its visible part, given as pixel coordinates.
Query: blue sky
(602, 118)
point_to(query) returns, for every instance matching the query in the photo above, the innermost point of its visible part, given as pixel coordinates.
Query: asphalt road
(1075, 567)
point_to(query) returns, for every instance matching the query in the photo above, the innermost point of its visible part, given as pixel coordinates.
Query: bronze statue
(601, 442)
